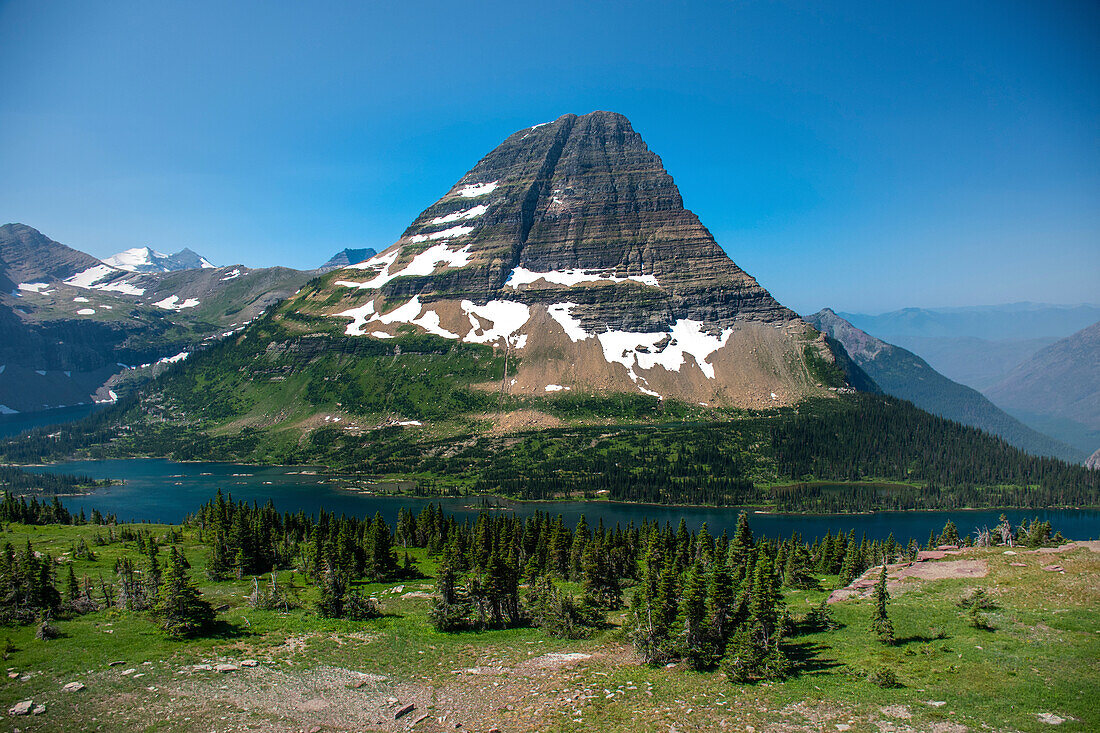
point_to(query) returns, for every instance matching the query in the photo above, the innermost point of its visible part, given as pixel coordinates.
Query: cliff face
(569, 244)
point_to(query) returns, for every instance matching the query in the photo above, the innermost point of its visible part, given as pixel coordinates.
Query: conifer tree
(180, 607)
(880, 623)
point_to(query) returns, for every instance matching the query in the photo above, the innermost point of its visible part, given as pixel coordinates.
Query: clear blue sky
(865, 156)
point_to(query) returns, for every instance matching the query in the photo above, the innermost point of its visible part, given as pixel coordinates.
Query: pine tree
(880, 623)
(696, 641)
(72, 588)
(219, 567)
(180, 607)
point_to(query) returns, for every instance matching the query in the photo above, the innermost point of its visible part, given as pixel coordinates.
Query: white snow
(541, 124)
(560, 313)
(640, 349)
(121, 287)
(410, 312)
(556, 388)
(650, 392)
(506, 317)
(171, 303)
(413, 423)
(86, 312)
(235, 274)
(132, 259)
(360, 317)
(108, 307)
(451, 233)
(87, 278)
(471, 213)
(381, 335)
(5, 410)
(478, 189)
(33, 287)
(173, 359)
(424, 263)
(81, 299)
(523, 276)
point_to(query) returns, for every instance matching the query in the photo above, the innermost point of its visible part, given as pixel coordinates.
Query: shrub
(883, 677)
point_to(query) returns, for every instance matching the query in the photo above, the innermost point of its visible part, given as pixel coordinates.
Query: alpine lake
(158, 490)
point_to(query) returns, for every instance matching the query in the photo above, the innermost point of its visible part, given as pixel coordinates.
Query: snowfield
(523, 276)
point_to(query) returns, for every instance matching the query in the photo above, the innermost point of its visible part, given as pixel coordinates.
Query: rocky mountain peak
(569, 241)
(146, 259)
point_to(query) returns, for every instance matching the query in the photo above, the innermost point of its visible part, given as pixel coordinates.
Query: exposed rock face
(903, 374)
(1093, 461)
(570, 244)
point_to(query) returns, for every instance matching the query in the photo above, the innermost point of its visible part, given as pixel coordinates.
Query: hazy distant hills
(977, 345)
(1059, 387)
(903, 374)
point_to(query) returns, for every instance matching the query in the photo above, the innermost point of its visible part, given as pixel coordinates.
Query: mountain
(346, 257)
(1058, 387)
(1093, 461)
(32, 259)
(903, 374)
(75, 330)
(558, 324)
(569, 245)
(144, 259)
(562, 269)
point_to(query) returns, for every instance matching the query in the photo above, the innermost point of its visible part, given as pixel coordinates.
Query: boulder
(73, 687)
(403, 711)
(21, 708)
(225, 668)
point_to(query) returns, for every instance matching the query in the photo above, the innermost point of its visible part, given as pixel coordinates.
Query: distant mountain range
(903, 374)
(1058, 388)
(977, 346)
(74, 329)
(984, 346)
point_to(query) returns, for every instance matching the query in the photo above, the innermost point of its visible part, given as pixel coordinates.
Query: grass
(1041, 657)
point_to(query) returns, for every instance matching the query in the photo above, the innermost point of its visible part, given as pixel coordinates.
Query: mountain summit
(569, 245)
(145, 259)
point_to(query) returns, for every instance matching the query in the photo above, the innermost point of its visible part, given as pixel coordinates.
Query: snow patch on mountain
(474, 190)
(146, 259)
(506, 317)
(640, 350)
(422, 264)
(471, 213)
(523, 276)
(459, 231)
(172, 303)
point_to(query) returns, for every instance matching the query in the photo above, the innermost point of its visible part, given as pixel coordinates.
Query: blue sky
(864, 156)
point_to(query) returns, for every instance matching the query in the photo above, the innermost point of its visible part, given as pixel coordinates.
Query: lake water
(14, 424)
(158, 490)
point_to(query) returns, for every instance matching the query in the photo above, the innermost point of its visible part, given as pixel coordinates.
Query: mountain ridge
(905, 375)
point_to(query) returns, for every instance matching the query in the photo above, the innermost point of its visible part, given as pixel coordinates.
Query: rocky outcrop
(1093, 461)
